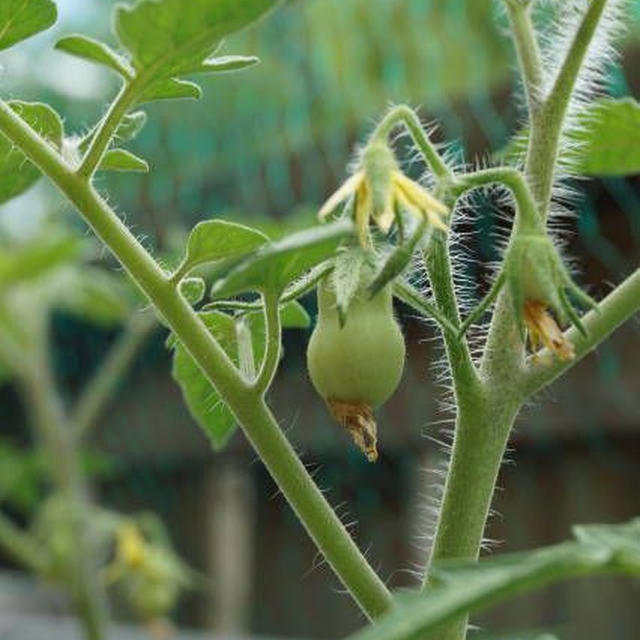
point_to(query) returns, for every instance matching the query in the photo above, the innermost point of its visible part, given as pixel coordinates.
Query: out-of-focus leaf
(294, 316)
(608, 139)
(94, 51)
(277, 264)
(21, 476)
(20, 19)
(17, 174)
(122, 160)
(93, 294)
(215, 240)
(605, 142)
(41, 255)
(460, 587)
(170, 89)
(203, 401)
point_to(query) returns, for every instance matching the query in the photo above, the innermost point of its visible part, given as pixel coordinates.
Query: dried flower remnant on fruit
(544, 331)
(379, 190)
(359, 421)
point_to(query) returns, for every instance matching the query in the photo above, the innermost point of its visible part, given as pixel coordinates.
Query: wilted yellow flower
(379, 189)
(131, 552)
(544, 331)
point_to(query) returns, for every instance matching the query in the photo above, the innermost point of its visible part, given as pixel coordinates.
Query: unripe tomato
(362, 361)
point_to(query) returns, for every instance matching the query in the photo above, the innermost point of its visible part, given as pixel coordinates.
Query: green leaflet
(277, 264)
(203, 401)
(122, 160)
(17, 174)
(460, 587)
(18, 265)
(171, 38)
(605, 140)
(20, 19)
(94, 51)
(216, 240)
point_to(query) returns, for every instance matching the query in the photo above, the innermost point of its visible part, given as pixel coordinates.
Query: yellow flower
(131, 552)
(544, 331)
(379, 189)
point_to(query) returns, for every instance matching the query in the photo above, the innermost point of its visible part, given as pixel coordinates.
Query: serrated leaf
(215, 240)
(20, 19)
(193, 289)
(123, 160)
(605, 142)
(203, 401)
(463, 586)
(17, 174)
(170, 89)
(277, 264)
(93, 51)
(37, 258)
(173, 37)
(224, 64)
(608, 139)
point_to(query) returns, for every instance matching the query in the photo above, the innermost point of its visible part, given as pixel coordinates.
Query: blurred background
(266, 147)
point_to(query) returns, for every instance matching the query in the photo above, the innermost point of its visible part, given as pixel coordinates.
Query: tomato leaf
(225, 64)
(94, 51)
(216, 240)
(17, 174)
(21, 19)
(170, 89)
(203, 401)
(122, 160)
(277, 264)
(460, 587)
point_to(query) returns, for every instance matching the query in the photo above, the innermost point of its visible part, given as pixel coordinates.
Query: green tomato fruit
(361, 362)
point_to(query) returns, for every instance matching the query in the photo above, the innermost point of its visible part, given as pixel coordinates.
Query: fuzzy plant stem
(246, 404)
(547, 122)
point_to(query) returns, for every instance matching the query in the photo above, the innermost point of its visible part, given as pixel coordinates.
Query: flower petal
(363, 212)
(419, 195)
(346, 189)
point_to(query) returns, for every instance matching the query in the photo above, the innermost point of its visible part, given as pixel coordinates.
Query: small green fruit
(362, 361)
(356, 367)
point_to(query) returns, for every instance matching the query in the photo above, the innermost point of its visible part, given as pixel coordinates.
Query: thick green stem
(247, 406)
(101, 387)
(480, 439)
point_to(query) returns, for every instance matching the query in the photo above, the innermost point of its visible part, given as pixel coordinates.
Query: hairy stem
(403, 114)
(254, 417)
(547, 123)
(527, 49)
(106, 129)
(102, 385)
